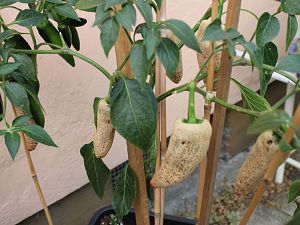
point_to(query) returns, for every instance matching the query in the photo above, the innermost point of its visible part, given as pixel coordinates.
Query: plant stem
(172, 91)
(66, 51)
(191, 106)
(123, 63)
(283, 100)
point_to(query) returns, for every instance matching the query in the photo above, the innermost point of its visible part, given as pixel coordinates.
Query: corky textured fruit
(187, 148)
(204, 46)
(177, 76)
(104, 132)
(253, 169)
(31, 144)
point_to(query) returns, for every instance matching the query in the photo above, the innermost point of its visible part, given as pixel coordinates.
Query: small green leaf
(168, 54)
(252, 100)
(38, 134)
(133, 112)
(269, 120)
(145, 10)
(109, 3)
(96, 170)
(27, 67)
(289, 63)
(139, 63)
(7, 2)
(95, 109)
(101, 15)
(8, 34)
(215, 32)
(124, 193)
(125, 17)
(267, 29)
(109, 34)
(87, 4)
(270, 55)
(183, 32)
(29, 17)
(151, 40)
(21, 121)
(294, 191)
(284, 146)
(291, 7)
(17, 95)
(7, 68)
(158, 3)
(12, 142)
(292, 27)
(67, 11)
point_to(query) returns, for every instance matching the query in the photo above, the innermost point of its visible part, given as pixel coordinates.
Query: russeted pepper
(177, 76)
(253, 169)
(51, 35)
(187, 148)
(104, 133)
(31, 144)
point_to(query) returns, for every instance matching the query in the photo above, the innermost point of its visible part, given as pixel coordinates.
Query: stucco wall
(67, 95)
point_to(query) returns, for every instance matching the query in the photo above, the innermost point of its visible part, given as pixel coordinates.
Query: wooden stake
(35, 178)
(207, 111)
(135, 155)
(218, 118)
(277, 160)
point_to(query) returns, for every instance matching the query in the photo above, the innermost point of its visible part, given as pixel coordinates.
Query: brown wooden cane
(207, 111)
(135, 155)
(219, 117)
(277, 160)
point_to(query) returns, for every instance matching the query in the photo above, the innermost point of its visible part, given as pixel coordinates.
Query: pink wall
(67, 95)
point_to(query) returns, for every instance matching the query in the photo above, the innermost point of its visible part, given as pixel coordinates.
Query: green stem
(173, 91)
(124, 62)
(191, 107)
(66, 51)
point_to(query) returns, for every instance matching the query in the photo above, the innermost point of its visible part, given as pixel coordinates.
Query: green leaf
(183, 32)
(7, 2)
(109, 3)
(139, 63)
(133, 112)
(17, 95)
(12, 142)
(289, 63)
(284, 146)
(7, 68)
(294, 191)
(95, 109)
(270, 55)
(168, 54)
(8, 34)
(215, 32)
(109, 34)
(101, 15)
(87, 4)
(21, 121)
(124, 193)
(252, 100)
(27, 67)
(267, 29)
(36, 110)
(29, 17)
(151, 40)
(269, 120)
(96, 170)
(145, 10)
(67, 11)
(292, 27)
(158, 3)
(125, 17)
(38, 134)
(291, 7)
(56, 1)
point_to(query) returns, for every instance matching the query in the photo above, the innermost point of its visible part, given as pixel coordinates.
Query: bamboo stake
(207, 111)
(35, 178)
(277, 160)
(219, 117)
(135, 155)
(160, 87)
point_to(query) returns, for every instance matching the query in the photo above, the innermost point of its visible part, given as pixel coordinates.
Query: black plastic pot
(130, 218)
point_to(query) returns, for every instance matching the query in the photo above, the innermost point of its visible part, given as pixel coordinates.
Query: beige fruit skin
(204, 46)
(253, 169)
(31, 144)
(104, 133)
(177, 76)
(188, 146)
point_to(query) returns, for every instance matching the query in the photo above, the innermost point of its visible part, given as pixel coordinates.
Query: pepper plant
(132, 102)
